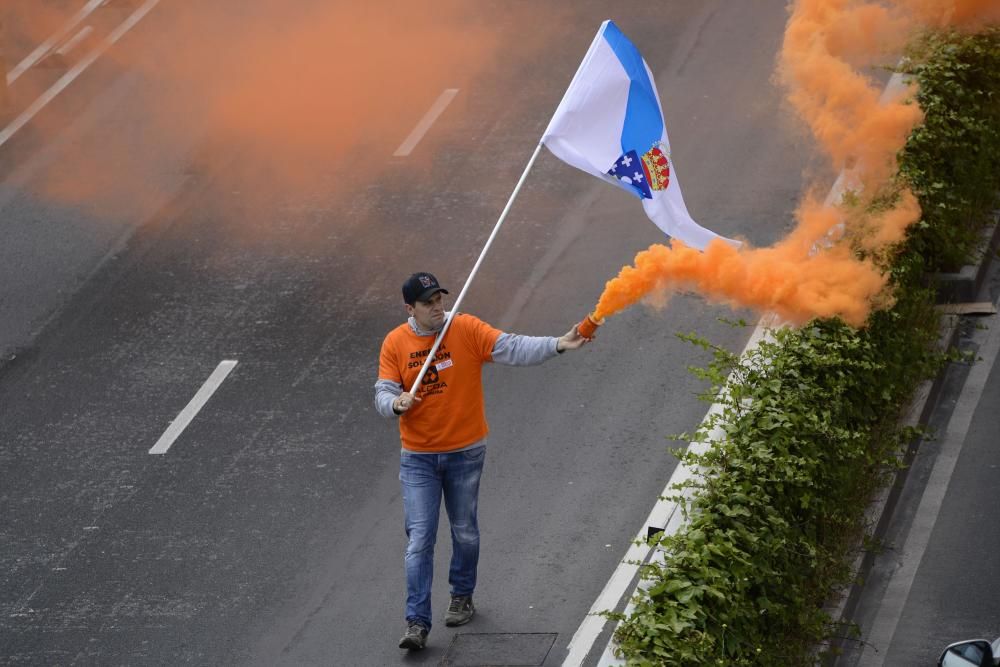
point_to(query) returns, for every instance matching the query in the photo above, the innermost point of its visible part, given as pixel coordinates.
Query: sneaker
(460, 611)
(415, 637)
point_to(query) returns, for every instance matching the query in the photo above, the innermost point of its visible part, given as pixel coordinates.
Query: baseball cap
(421, 286)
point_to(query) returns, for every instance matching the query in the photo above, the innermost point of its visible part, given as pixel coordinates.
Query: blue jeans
(425, 478)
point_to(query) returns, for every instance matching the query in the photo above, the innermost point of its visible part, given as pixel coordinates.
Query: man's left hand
(571, 340)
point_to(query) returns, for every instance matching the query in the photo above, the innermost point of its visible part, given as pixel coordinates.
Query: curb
(962, 286)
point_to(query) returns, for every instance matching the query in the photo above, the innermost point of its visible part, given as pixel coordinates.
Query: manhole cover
(502, 649)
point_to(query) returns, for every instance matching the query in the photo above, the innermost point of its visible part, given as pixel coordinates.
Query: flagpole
(475, 269)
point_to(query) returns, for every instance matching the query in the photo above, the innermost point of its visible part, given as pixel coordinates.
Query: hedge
(811, 416)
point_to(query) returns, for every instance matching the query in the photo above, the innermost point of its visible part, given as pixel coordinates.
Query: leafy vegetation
(810, 418)
(952, 160)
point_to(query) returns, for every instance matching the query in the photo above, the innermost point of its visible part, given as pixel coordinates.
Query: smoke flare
(791, 278)
(814, 272)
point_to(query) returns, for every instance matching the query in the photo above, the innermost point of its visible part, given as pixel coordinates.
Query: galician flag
(610, 124)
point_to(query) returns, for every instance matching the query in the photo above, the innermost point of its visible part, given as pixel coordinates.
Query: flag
(610, 124)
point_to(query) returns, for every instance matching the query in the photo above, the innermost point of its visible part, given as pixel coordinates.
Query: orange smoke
(960, 14)
(298, 93)
(815, 271)
(839, 104)
(342, 79)
(35, 20)
(790, 279)
(797, 278)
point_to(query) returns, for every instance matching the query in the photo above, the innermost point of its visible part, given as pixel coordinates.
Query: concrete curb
(963, 285)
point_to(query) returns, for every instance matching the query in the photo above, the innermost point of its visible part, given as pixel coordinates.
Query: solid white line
(440, 104)
(130, 22)
(898, 591)
(178, 425)
(74, 72)
(77, 38)
(48, 44)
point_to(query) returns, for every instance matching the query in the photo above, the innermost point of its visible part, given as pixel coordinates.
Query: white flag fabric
(610, 124)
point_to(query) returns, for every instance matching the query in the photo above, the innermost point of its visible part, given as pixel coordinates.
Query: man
(443, 429)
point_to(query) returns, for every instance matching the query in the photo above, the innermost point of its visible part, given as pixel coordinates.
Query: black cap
(421, 286)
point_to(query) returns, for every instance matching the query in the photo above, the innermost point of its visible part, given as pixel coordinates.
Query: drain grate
(500, 649)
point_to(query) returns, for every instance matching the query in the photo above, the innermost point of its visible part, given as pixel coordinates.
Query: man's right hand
(404, 402)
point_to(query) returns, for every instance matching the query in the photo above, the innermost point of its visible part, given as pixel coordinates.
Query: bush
(952, 160)
(809, 425)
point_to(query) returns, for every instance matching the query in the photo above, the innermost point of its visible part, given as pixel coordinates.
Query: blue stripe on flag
(643, 125)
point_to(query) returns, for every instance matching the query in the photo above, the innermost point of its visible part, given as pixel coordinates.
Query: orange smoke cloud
(960, 14)
(815, 271)
(855, 32)
(345, 77)
(298, 93)
(784, 279)
(839, 104)
(35, 20)
(798, 278)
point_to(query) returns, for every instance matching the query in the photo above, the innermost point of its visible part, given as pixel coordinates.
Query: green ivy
(952, 160)
(810, 418)
(809, 421)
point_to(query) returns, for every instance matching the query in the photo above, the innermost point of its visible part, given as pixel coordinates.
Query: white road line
(75, 41)
(75, 71)
(48, 44)
(665, 513)
(440, 104)
(189, 412)
(898, 591)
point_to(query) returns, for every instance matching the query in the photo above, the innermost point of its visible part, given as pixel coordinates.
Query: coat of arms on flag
(645, 174)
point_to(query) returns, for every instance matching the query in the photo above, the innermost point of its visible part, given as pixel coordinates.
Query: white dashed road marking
(191, 409)
(440, 104)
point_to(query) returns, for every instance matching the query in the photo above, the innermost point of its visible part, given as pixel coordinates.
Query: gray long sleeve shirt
(509, 350)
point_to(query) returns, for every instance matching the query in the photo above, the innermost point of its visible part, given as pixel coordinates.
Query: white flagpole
(468, 281)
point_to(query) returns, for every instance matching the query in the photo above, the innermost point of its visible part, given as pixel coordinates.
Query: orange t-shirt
(452, 414)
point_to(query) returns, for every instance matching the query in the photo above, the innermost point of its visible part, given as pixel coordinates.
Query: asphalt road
(271, 531)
